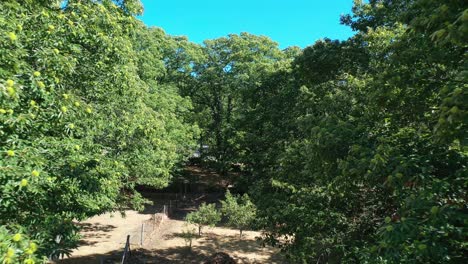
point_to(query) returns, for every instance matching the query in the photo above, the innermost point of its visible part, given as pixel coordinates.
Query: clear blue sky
(288, 22)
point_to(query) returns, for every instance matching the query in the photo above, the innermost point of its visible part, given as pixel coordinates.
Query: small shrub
(207, 215)
(239, 210)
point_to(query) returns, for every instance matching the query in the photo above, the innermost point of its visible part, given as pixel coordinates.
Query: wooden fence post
(142, 234)
(126, 250)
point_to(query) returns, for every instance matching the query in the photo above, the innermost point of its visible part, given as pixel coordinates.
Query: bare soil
(169, 246)
(104, 236)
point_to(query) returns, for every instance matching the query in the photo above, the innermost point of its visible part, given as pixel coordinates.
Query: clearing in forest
(104, 236)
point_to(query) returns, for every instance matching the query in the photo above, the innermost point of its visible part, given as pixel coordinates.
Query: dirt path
(105, 235)
(170, 247)
(104, 238)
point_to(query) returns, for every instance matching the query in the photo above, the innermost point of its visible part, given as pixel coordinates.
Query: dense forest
(352, 151)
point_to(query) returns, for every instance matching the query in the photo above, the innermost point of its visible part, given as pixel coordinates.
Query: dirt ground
(104, 239)
(104, 236)
(169, 246)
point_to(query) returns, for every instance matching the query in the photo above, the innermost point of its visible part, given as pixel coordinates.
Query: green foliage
(239, 210)
(80, 126)
(17, 248)
(222, 77)
(356, 150)
(367, 163)
(206, 215)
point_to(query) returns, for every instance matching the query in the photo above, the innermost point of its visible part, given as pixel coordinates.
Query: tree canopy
(81, 120)
(351, 151)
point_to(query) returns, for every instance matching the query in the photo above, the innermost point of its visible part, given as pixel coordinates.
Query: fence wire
(142, 235)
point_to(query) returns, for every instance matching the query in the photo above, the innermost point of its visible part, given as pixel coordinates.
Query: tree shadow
(210, 243)
(108, 258)
(181, 255)
(141, 256)
(96, 227)
(184, 255)
(93, 231)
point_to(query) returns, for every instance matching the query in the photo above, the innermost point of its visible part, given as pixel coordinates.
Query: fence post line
(170, 206)
(141, 236)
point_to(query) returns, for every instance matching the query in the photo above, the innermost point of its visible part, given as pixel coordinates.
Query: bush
(239, 211)
(206, 215)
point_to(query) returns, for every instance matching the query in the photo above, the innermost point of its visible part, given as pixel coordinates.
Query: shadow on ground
(180, 255)
(198, 185)
(242, 250)
(93, 231)
(208, 244)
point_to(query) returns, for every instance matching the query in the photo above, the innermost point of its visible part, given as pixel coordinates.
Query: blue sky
(288, 22)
